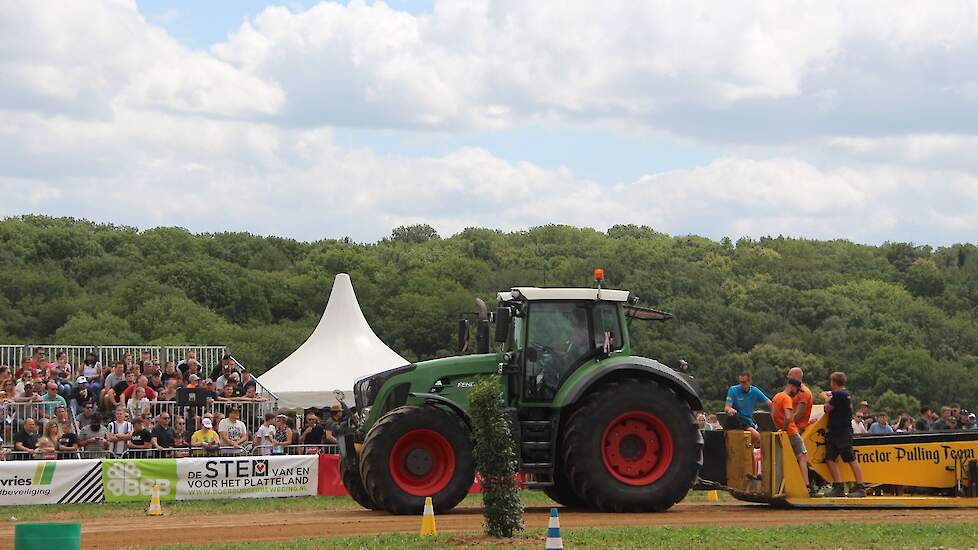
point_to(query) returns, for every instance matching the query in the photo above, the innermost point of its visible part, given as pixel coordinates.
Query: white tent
(341, 349)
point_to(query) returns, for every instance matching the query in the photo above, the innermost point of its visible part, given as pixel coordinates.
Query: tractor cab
(551, 332)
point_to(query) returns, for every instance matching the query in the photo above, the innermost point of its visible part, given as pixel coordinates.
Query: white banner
(247, 477)
(50, 481)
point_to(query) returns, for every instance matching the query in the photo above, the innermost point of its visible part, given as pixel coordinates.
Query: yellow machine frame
(931, 467)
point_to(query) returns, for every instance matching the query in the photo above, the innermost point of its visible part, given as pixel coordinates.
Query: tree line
(899, 318)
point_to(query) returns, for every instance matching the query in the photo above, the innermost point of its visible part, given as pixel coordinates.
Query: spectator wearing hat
(81, 395)
(971, 422)
(206, 439)
(233, 431)
(193, 381)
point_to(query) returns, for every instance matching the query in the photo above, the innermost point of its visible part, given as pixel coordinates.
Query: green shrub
(495, 459)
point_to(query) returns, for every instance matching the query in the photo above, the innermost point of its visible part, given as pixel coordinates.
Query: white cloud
(847, 124)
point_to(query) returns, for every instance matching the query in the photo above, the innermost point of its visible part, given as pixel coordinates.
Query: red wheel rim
(422, 462)
(636, 448)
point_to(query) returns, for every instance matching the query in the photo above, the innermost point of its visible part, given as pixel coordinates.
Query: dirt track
(229, 528)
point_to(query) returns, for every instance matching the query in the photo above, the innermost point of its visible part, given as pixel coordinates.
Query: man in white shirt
(265, 435)
(120, 431)
(233, 431)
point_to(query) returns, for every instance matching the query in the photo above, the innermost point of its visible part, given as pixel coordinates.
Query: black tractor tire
(631, 445)
(417, 451)
(561, 491)
(350, 475)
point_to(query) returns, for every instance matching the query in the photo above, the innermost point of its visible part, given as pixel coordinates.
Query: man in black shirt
(313, 432)
(163, 433)
(140, 437)
(26, 439)
(838, 442)
(923, 423)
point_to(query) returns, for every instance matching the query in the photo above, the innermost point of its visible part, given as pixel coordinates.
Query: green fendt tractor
(595, 426)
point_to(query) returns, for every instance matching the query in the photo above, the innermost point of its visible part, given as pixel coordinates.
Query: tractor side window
(607, 328)
(558, 337)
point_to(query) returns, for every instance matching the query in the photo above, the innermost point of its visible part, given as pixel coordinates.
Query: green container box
(47, 536)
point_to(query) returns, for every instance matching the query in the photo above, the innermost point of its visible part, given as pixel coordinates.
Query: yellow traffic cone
(713, 496)
(154, 503)
(428, 519)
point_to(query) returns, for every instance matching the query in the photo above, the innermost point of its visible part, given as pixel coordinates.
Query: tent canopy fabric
(342, 349)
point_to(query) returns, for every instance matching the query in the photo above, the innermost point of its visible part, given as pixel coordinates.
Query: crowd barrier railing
(176, 452)
(11, 355)
(110, 354)
(207, 356)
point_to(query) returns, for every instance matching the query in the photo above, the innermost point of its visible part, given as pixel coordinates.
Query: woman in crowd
(138, 404)
(91, 369)
(60, 371)
(905, 425)
(47, 445)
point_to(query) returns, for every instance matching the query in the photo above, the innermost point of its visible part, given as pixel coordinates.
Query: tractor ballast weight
(595, 426)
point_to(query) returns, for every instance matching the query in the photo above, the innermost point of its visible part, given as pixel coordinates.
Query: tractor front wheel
(416, 452)
(350, 475)
(632, 445)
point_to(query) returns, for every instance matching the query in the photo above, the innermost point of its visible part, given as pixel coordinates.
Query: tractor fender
(435, 399)
(684, 386)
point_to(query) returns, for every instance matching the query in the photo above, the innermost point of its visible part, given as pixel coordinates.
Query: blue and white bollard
(554, 540)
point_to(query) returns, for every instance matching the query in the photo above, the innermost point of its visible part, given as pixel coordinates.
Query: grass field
(821, 536)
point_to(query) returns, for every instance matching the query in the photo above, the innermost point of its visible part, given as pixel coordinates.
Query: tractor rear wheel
(350, 475)
(415, 452)
(632, 445)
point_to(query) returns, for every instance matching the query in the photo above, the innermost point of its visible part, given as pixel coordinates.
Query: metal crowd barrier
(11, 355)
(207, 356)
(110, 354)
(179, 452)
(262, 390)
(76, 354)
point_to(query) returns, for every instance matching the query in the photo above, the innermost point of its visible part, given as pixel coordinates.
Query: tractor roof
(535, 293)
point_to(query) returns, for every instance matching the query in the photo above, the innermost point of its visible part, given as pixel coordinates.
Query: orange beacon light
(598, 274)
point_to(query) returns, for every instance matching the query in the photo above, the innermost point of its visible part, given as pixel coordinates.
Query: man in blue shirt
(882, 425)
(741, 400)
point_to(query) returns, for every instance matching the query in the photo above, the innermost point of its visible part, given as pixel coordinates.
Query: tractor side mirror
(463, 335)
(503, 317)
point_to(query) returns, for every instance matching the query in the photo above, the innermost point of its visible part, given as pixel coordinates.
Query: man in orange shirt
(782, 412)
(802, 401)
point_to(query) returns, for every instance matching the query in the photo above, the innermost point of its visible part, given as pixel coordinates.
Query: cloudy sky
(312, 120)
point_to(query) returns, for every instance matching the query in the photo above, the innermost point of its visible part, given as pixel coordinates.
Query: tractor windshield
(560, 337)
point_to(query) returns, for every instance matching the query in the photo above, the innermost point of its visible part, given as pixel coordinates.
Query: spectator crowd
(52, 409)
